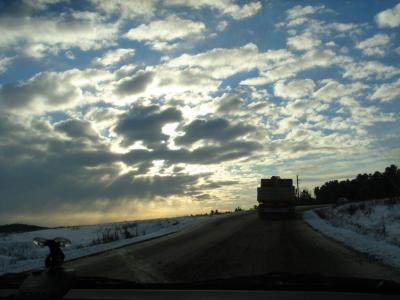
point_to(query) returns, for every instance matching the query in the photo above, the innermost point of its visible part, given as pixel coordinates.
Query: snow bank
(17, 253)
(371, 227)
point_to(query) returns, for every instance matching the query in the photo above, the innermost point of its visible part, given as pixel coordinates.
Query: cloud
(305, 41)
(49, 91)
(370, 69)
(4, 63)
(134, 84)
(19, 8)
(144, 123)
(171, 82)
(218, 184)
(230, 102)
(308, 108)
(375, 45)
(335, 29)
(245, 11)
(254, 81)
(112, 57)
(222, 25)
(332, 89)
(299, 11)
(203, 155)
(218, 130)
(292, 65)
(102, 117)
(127, 9)
(224, 7)
(147, 9)
(69, 54)
(50, 186)
(301, 16)
(221, 62)
(306, 33)
(167, 33)
(364, 116)
(77, 129)
(54, 174)
(301, 139)
(37, 35)
(163, 81)
(389, 18)
(42, 90)
(387, 91)
(294, 89)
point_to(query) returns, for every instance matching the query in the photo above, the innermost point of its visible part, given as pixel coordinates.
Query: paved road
(236, 245)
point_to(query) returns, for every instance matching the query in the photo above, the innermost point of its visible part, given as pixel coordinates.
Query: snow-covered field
(17, 252)
(371, 227)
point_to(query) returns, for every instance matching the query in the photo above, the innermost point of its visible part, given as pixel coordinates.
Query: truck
(276, 197)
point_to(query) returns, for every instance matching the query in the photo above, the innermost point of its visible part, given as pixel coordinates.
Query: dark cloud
(15, 8)
(49, 182)
(134, 84)
(100, 114)
(299, 147)
(188, 78)
(218, 130)
(8, 129)
(144, 123)
(40, 172)
(218, 184)
(77, 129)
(150, 187)
(43, 89)
(230, 103)
(43, 172)
(177, 169)
(202, 155)
(202, 197)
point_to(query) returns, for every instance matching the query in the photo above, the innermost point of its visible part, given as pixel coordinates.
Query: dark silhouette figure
(54, 281)
(56, 257)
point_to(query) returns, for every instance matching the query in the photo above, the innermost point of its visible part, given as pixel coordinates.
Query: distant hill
(17, 228)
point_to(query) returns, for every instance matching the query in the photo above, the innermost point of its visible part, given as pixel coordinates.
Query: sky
(120, 110)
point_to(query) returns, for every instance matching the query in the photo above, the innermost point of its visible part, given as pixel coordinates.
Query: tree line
(364, 187)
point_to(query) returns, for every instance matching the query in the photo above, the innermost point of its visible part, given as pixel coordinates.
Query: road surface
(236, 245)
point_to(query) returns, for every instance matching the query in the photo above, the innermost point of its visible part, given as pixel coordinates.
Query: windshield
(175, 141)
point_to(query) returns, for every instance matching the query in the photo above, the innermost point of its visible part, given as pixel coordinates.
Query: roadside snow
(17, 253)
(371, 227)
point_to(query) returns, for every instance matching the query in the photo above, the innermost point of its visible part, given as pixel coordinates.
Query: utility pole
(298, 191)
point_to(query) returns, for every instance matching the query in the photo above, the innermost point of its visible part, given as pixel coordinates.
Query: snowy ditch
(17, 253)
(371, 227)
